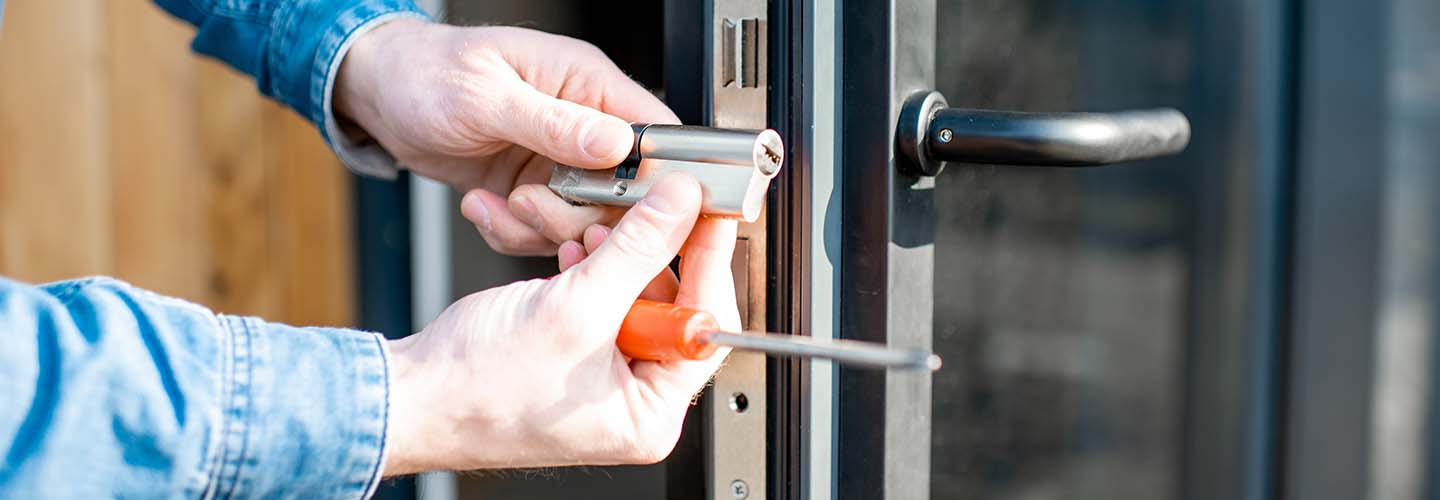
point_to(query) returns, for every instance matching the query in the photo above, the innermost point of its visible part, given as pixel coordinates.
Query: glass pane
(1404, 385)
(1074, 307)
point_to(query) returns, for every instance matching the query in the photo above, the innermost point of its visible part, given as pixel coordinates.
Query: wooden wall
(122, 153)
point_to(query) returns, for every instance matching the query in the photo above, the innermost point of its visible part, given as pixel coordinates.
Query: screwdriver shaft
(849, 352)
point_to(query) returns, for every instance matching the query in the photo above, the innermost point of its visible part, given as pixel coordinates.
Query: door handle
(931, 133)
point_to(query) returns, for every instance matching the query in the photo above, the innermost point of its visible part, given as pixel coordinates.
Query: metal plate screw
(739, 490)
(946, 135)
(739, 402)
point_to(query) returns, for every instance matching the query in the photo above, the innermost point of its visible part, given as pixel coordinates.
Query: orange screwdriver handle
(656, 331)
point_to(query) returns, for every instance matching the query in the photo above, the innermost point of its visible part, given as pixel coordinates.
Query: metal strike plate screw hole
(946, 135)
(739, 402)
(739, 490)
(620, 188)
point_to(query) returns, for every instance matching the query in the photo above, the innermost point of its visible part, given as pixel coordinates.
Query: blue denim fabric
(108, 391)
(293, 49)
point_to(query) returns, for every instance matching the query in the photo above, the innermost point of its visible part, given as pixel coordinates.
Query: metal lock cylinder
(733, 167)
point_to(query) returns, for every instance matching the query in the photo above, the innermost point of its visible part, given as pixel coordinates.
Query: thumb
(564, 131)
(641, 245)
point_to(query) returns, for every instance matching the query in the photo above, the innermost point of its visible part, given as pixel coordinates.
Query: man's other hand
(489, 110)
(528, 375)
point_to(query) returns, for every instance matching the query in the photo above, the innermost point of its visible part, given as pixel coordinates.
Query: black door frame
(887, 250)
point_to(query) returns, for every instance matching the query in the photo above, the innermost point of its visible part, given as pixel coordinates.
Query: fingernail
(668, 198)
(570, 253)
(601, 230)
(595, 235)
(603, 141)
(474, 209)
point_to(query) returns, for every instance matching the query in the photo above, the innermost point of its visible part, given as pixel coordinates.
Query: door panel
(1092, 319)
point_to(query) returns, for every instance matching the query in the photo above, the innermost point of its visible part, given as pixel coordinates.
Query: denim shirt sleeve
(113, 392)
(293, 49)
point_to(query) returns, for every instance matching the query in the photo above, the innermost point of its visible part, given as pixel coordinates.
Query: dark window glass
(1093, 321)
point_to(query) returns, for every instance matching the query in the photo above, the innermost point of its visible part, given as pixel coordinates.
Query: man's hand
(528, 375)
(489, 110)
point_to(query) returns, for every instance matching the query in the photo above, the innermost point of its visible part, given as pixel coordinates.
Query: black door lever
(931, 133)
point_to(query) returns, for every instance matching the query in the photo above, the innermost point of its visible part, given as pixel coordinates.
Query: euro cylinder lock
(733, 167)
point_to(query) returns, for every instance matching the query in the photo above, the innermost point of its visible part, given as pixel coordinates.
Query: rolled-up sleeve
(293, 49)
(111, 391)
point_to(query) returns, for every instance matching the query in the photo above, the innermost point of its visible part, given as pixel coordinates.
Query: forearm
(152, 396)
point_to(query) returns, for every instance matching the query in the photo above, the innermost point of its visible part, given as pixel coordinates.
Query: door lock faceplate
(734, 168)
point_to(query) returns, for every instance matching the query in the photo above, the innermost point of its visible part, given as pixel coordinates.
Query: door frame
(886, 251)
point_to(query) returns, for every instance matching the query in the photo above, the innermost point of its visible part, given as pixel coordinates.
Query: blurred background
(124, 154)
(1254, 318)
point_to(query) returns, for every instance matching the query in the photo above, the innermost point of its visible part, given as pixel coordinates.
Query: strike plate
(738, 84)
